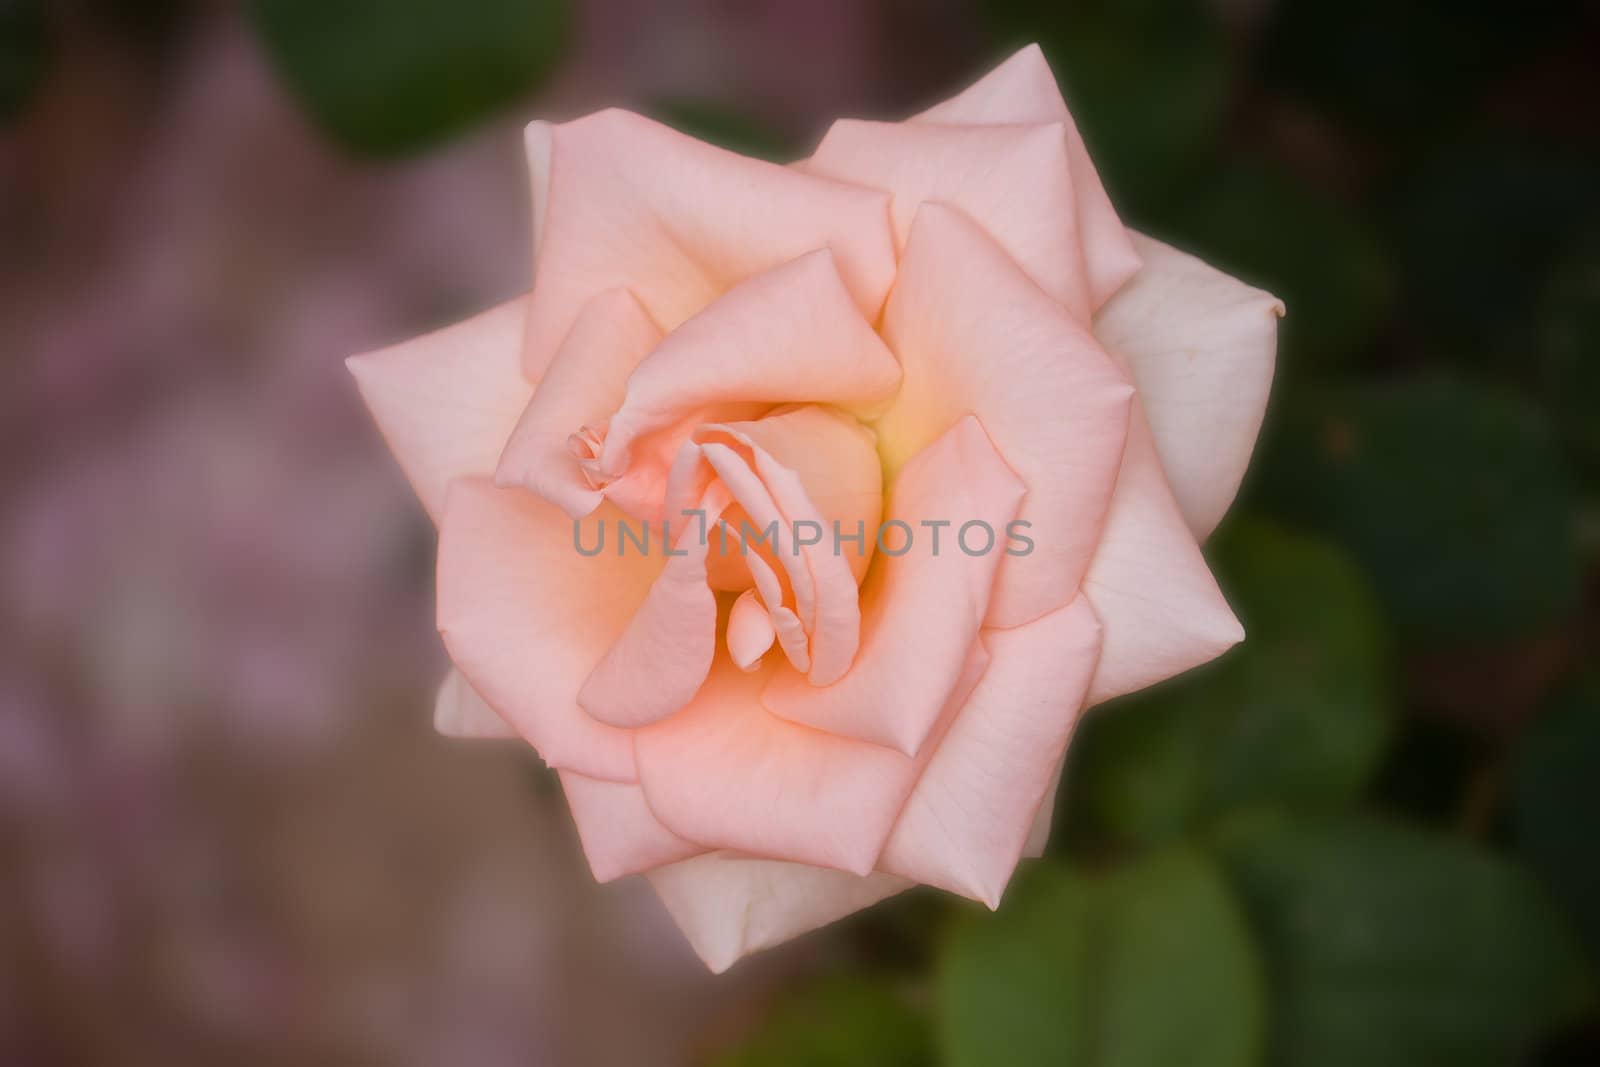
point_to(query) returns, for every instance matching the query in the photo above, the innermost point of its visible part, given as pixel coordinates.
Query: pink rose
(935, 329)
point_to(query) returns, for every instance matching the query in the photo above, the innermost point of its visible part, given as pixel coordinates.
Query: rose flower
(976, 426)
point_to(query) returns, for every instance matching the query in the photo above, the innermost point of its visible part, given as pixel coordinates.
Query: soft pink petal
(526, 617)
(1015, 181)
(632, 204)
(1151, 589)
(446, 402)
(788, 335)
(460, 712)
(584, 384)
(663, 656)
(725, 772)
(969, 818)
(923, 607)
(975, 335)
(729, 906)
(1200, 345)
(1023, 90)
(750, 631)
(823, 473)
(1039, 832)
(620, 834)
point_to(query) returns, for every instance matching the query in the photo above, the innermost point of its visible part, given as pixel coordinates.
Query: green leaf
(388, 77)
(1387, 945)
(842, 1022)
(1150, 965)
(1299, 714)
(1454, 498)
(1322, 260)
(1567, 339)
(1555, 805)
(24, 49)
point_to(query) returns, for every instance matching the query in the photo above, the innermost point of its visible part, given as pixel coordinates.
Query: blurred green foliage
(1292, 856)
(24, 52)
(1150, 963)
(1298, 715)
(1387, 944)
(1455, 498)
(839, 1022)
(427, 69)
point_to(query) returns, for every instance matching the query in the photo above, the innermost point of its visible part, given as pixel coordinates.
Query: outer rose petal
(619, 833)
(975, 335)
(1155, 596)
(633, 204)
(1015, 181)
(923, 610)
(972, 812)
(729, 906)
(788, 335)
(458, 711)
(446, 402)
(584, 384)
(1200, 345)
(1023, 89)
(526, 617)
(726, 772)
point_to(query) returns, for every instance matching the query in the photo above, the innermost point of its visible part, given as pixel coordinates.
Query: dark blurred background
(227, 832)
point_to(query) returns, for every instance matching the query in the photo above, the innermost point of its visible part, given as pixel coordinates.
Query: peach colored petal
(584, 384)
(975, 335)
(619, 833)
(750, 631)
(460, 712)
(665, 652)
(788, 335)
(1023, 90)
(725, 772)
(446, 402)
(1039, 832)
(729, 906)
(526, 617)
(822, 470)
(1200, 346)
(1015, 181)
(629, 203)
(1156, 599)
(924, 606)
(969, 817)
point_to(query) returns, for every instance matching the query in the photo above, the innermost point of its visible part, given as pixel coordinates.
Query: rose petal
(750, 631)
(789, 335)
(1150, 587)
(823, 473)
(526, 616)
(969, 818)
(924, 606)
(584, 384)
(446, 402)
(632, 204)
(458, 711)
(974, 334)
(1014, 181)
(1023, 90)
(729, 906)
(1200, 346)
(663, 656)
(726, 772)
(619, 833)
